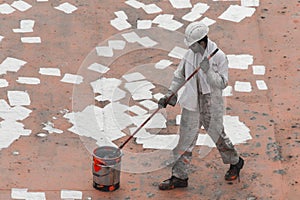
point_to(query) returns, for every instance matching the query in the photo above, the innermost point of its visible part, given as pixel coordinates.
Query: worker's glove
(162, 103)
(204, 65)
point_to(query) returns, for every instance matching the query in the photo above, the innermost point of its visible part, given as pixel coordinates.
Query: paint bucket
(106, 168)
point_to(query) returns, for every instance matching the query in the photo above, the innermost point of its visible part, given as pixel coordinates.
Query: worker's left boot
(173, 183)
(234, 171)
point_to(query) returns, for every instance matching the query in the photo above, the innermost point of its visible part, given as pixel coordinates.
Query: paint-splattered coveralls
(202, 104)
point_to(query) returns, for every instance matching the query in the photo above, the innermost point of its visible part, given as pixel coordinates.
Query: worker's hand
(162, 103)
(204, 65)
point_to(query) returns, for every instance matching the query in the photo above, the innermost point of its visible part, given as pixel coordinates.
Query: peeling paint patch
(70, 194)
(17, 193)
(66, 8)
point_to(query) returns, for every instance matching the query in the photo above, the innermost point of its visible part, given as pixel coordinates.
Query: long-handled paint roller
(175, 92)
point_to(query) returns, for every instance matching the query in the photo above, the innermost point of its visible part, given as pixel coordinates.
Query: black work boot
(172, 183)
(234, 171)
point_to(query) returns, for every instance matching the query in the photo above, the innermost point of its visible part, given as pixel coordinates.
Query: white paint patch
(13, 113)
(261, 85)
(31, 39)
(42, 135)
(11, 65)
(135, 4)
(167, 142)
(157, 96)
(102, 124)
(140, 90)
(178, 4)
(178, 119)
(147, 42)
(121, 14)
(98, 68)
(18, 98)
(227, 91)
(192, 16)
(137, 110)
(162, 18)
(132, 87)
(157, 121)
(6, 9)
(196, 12)
(135, 76)
(242, 86)
(3, 83)
(116, 44)
(21, 5)
(259, 69)
(28, 80)
(152, 8)
(237, 132)
(162, 64)
(131, 37)
(41, 0)
(117, 95)
(177, 52)
(205, 140)
(70, 194)
(72, 78)
(171, 25)
(150, 105)
(142, 95)
(50, 71)
(36, 196)
(108, 88)
(239, 61)
(49, 126)
(236, 13)
(26, 26)
(105, 51)
(249, 3)
(144, 24)
(142, 133)
(66, 8)
(166, 21)
(17, 193)
(207, 21)
(120, 22)
(118, 114)
(10, 129)
(1, 38)
(200, 7)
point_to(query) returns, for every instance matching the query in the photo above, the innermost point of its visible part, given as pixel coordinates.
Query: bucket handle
(104, 163)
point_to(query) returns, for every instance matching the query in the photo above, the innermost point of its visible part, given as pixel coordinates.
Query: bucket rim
(120, 153)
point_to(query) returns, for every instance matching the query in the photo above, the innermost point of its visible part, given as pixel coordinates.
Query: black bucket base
(106, 188)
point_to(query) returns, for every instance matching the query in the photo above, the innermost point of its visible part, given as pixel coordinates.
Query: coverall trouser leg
(190, 123)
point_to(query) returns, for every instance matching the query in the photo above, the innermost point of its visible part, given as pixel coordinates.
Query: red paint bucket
(106, 168)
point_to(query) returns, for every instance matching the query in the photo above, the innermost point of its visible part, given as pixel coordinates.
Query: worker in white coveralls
(202, 104)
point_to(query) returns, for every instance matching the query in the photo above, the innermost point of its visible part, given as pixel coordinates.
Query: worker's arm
(217, 77)
(179, 77)
(176, 83)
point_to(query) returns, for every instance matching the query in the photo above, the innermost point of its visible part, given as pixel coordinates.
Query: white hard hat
(194, 32)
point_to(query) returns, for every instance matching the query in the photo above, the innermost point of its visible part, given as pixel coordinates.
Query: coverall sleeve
(219, 78)
(179, 77)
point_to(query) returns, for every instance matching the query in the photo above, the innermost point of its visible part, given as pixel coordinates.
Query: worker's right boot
(234, 171)
(173, 183)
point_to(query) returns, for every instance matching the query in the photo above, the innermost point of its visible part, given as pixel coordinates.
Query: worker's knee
(224, 144)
